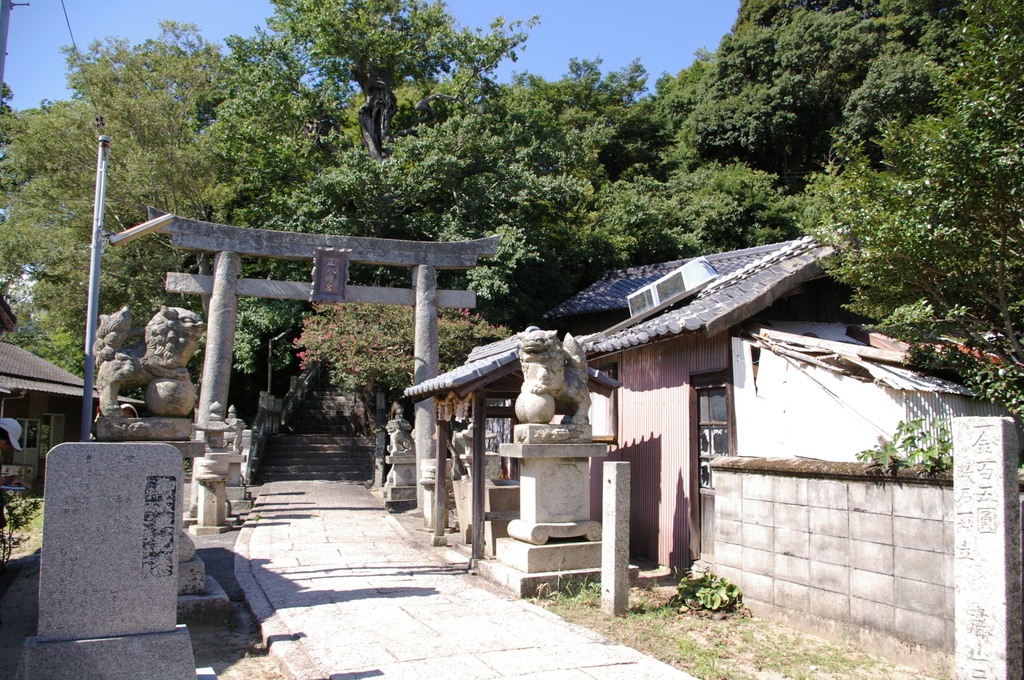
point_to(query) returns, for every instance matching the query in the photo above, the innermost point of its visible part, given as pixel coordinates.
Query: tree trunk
(376, 112)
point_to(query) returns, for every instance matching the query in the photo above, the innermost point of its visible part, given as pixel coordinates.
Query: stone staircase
(328, 410)
(321, 440)
(312, 456)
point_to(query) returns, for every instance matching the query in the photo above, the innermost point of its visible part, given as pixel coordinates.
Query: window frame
(612, 371)
(703, 382)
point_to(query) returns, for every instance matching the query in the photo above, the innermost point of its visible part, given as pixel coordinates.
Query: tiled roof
(495, 359)
(611, 291)
(750, 280)
(474, 368)
(493, 349)
(728, 299)
(22, 370)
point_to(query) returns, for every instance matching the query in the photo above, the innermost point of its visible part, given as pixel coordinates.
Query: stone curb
(282, 644)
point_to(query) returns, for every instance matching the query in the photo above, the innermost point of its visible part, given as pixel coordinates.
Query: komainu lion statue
(398, 429)
(158, 362)
(553, 373)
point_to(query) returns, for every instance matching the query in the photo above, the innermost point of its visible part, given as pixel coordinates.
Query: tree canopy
(933, 241)
(383, 44)
(156, 100)
(383, 118)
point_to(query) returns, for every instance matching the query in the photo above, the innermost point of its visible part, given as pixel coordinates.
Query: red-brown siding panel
(654, 435)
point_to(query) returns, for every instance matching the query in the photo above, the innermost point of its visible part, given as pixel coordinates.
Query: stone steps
(325, 475)
(273, 470)
(320, 440)
(308, 457)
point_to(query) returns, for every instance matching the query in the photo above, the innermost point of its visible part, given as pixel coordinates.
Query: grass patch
(720, 646)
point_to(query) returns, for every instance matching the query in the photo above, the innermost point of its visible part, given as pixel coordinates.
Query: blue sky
(664, 34)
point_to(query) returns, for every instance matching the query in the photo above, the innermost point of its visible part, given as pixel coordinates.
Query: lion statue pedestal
(400, 486)
(157, 362)
(554, 542)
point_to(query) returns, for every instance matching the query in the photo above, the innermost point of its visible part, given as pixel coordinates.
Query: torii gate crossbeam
(230, 244)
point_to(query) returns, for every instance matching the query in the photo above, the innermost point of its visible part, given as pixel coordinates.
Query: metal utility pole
(5, 22)
(92, 312)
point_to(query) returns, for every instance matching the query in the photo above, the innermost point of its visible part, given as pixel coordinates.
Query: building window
(712, 430)
(604, 411)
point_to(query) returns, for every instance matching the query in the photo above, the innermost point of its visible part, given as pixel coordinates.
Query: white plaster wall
(807, 411)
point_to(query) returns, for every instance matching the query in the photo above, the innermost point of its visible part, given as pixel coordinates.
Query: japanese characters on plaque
(986, 549)
(158, 550)
(330, 274)
(975, 498)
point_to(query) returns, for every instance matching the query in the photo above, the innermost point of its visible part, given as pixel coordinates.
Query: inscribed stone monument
(108, 580)
(987, 558)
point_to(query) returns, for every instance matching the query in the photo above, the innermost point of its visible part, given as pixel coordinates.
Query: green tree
(381, 44)
(733, 207)
(933, 242)
(791, 73)
(156, 100)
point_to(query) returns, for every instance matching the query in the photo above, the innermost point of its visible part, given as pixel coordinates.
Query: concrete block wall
(843, 553)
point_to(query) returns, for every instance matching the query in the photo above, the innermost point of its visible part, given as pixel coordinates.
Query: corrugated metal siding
(933, 406)
(654, 436)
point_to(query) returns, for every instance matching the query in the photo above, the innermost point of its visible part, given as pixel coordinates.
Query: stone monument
(400, 486)
(554, 541)
(210, 475)
(987, 559)
(158, 363)
(108, 579)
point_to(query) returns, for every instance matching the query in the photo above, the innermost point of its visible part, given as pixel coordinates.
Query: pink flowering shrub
(372, 345)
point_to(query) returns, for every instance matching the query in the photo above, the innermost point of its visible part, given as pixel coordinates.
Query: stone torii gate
(224, 287)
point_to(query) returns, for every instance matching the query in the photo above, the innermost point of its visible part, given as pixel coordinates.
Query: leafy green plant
(914, 443)
(706, 592)
(19, 513)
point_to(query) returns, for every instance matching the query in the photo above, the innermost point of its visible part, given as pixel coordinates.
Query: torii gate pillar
(425, 367)
(220, 334)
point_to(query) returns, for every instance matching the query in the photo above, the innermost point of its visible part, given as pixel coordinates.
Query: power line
(85, 76)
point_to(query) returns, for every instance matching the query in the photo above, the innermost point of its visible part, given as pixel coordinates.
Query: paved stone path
(343, 591)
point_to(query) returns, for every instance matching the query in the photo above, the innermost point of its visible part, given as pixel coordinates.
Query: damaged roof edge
(720, 307)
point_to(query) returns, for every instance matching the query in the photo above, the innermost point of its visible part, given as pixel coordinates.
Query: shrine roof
(610, 292)
(486, 364)
(727, 300)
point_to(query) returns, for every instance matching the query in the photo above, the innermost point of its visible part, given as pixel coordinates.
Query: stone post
(441, 486)
(220, 333)
(209, 476)
(987, 557)
(425, 367)
(381, 444)
(615, 539)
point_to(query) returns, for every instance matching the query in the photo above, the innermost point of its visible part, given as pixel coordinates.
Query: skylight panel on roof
(641, 301)
(675, 285)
